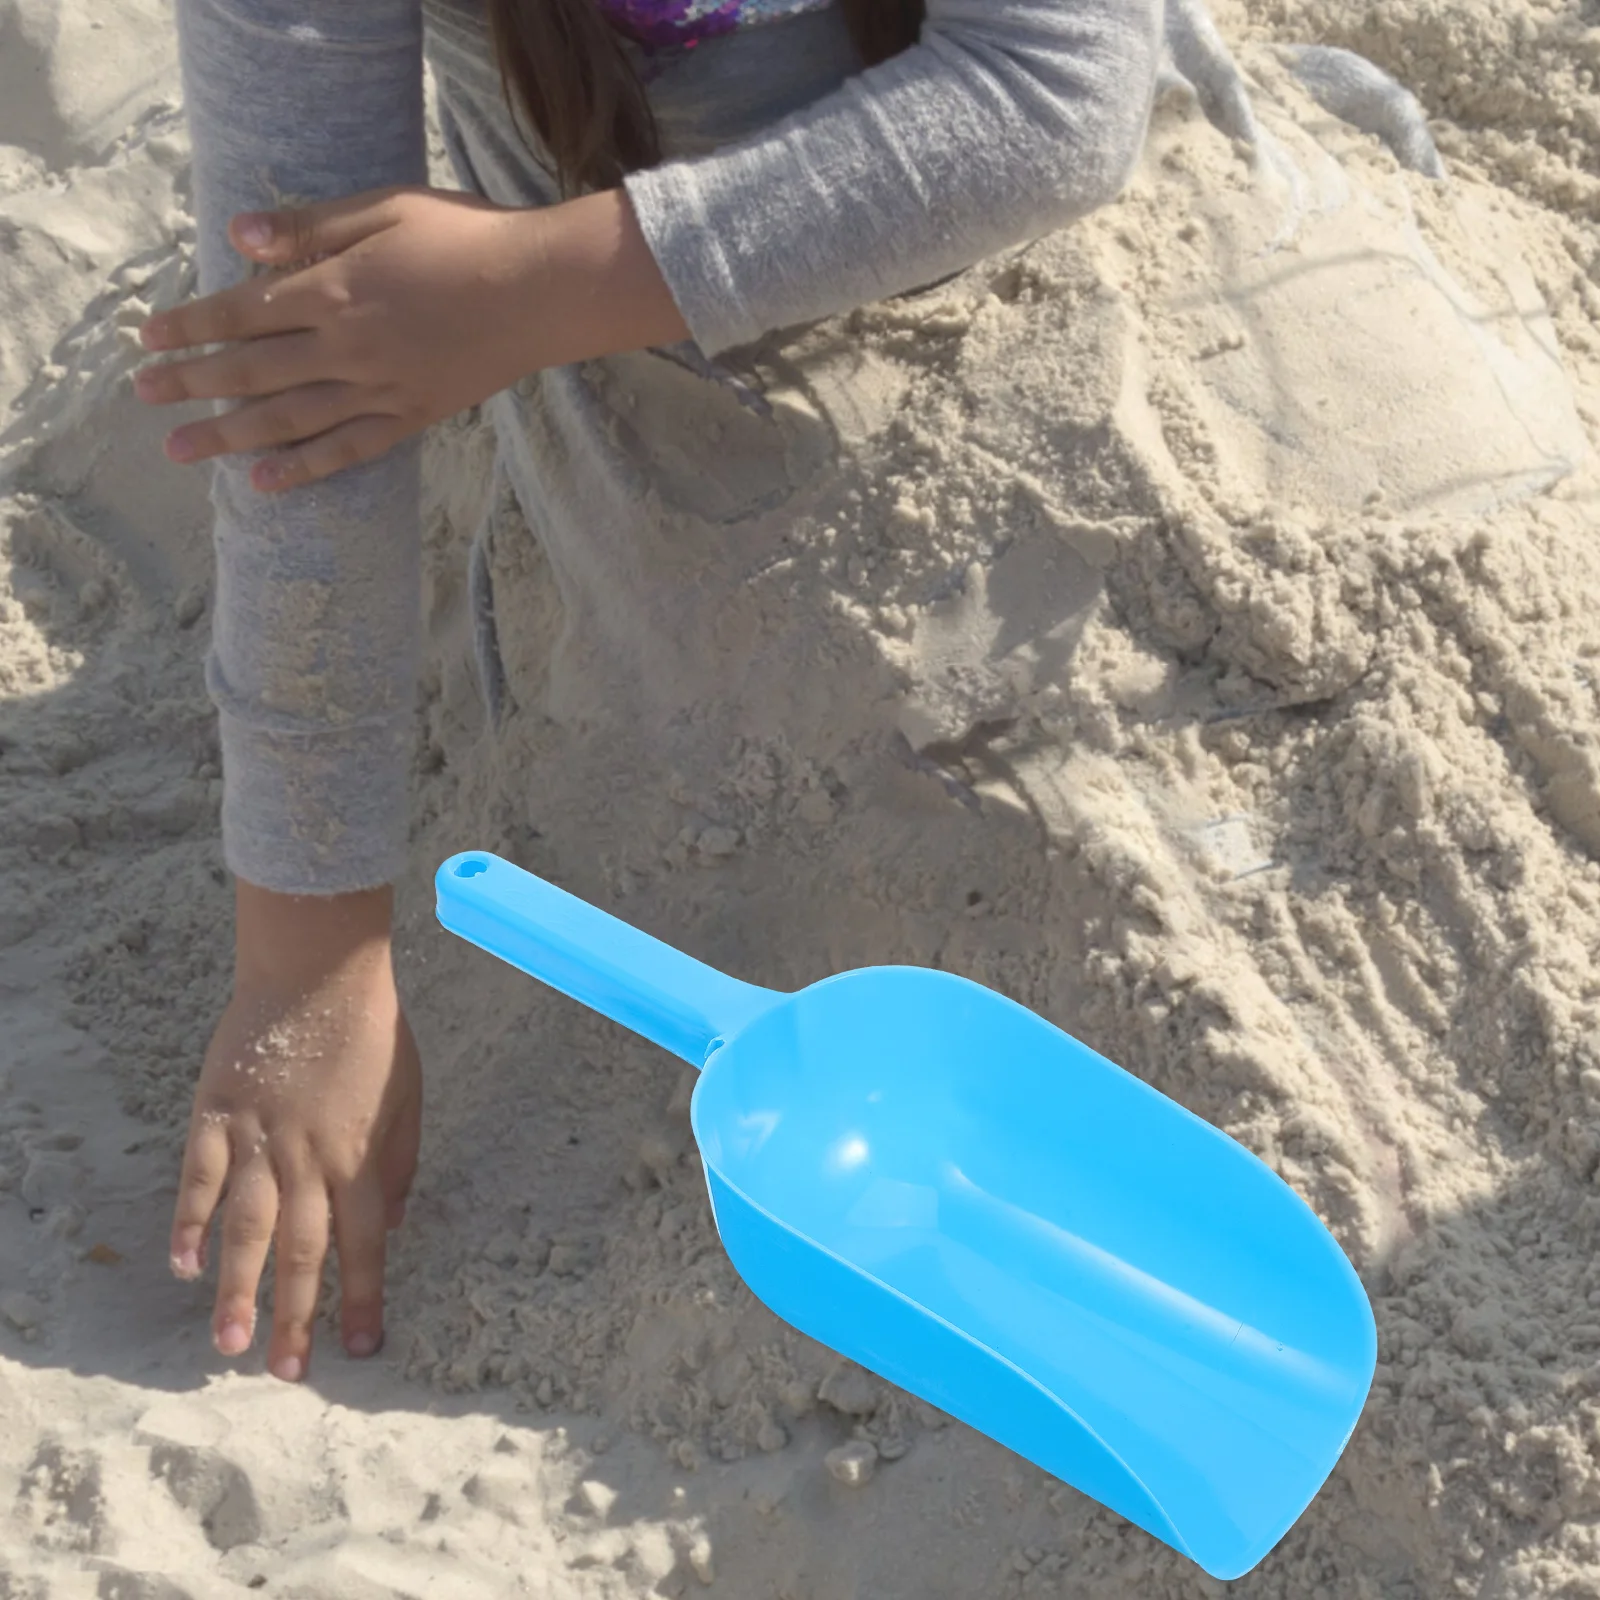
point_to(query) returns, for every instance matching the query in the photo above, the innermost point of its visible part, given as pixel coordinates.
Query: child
(816, 155)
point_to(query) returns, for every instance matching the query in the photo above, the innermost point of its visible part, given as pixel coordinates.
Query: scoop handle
(616, 969)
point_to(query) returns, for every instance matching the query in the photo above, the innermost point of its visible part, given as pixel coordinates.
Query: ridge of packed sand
(1189, 625)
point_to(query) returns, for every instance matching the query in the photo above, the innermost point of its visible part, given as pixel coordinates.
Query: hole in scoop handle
(620, 971)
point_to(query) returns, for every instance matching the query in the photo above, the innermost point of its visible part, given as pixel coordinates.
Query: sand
(1189, 625)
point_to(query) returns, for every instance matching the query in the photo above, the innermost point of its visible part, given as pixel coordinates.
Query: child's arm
(307, 1099)
(1010, 118)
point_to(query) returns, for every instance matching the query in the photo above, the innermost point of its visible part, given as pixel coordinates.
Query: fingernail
(288, 1368)
(180, 448)
(233, 1339)
(186, 1264)
(256, 233)
(361, 1344)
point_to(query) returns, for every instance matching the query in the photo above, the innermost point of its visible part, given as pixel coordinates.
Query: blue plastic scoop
(942, 1186)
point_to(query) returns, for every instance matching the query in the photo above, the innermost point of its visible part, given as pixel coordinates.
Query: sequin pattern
(662, 24)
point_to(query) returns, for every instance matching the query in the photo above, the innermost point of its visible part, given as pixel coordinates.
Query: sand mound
(1185, 625)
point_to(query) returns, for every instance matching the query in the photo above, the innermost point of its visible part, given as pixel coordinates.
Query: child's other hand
(307, 1113)
(392, 309)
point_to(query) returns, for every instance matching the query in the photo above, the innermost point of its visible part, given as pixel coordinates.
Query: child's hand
(308, 1105)
(394, 308)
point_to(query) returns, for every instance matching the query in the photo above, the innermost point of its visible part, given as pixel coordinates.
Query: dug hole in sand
(1188, 625)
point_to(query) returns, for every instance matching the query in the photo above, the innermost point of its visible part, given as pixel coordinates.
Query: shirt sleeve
(1009, 119)
(316, 628)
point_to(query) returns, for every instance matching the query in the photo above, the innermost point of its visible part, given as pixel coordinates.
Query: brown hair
(586, 102)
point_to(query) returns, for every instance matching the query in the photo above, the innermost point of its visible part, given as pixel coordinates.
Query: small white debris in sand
(852, 1464)
(598, 1497)
(699, 1554)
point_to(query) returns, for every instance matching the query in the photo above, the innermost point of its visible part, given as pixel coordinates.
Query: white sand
(1199, 642)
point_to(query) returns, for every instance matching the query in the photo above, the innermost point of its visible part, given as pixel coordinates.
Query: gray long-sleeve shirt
(1009, 119)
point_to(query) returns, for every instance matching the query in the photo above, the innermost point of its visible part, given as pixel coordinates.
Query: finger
(292, 299)
(321, 228)
(351, 444)
(302, 1244)
(246, 311)
(205, 1169)
(359, 1232)
(260, 366)
(248, 1220)
(282, 419)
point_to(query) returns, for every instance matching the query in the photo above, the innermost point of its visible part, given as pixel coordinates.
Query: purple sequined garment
(661, 24)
